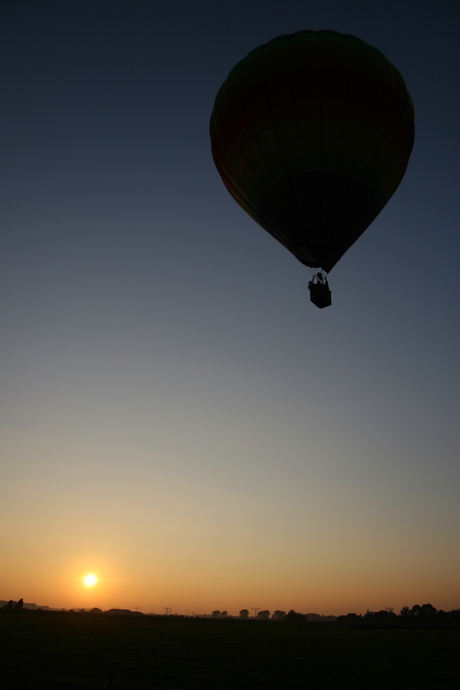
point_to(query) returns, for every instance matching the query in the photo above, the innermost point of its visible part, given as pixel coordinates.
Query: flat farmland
(76, 650)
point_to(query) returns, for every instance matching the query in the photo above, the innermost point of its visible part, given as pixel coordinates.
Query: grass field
(63, 650)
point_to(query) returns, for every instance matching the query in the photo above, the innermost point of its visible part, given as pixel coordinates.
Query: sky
(176, 417)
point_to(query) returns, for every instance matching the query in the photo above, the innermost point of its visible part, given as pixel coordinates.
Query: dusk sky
(176, 416)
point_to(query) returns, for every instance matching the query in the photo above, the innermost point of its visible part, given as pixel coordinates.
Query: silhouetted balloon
(311, 134)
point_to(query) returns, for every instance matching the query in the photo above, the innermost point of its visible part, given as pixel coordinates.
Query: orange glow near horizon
(231, 585)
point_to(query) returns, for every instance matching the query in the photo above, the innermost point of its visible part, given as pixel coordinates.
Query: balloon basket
(320, 295)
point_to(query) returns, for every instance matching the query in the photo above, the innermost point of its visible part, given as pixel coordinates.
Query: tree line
(418, 614)
(13, 605)
(276, 615)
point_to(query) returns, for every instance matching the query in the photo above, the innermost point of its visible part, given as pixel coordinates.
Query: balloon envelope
(311, 134)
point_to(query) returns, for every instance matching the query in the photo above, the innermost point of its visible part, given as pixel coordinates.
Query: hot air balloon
(311, 134)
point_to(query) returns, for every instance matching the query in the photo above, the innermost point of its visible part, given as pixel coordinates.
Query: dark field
(61, 650)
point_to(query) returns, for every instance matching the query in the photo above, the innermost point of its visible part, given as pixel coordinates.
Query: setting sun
(90, 580)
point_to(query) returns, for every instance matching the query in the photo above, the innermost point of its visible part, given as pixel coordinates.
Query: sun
(90, 580)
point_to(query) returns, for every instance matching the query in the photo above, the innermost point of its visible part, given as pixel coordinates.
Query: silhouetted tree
(454, 615)
(244, 613)
(428, 610)
(216, 614)
(294, 616)
(19, 605)
(224, 614)
(278, 615)
(385, 615)
(264, 615)
(421, 613)
(349, 618)
(9, 606)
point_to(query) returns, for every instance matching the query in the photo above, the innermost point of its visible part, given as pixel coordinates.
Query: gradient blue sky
(175, 415)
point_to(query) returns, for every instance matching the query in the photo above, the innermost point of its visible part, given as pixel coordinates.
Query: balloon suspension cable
(317, 271)
(320, 276)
